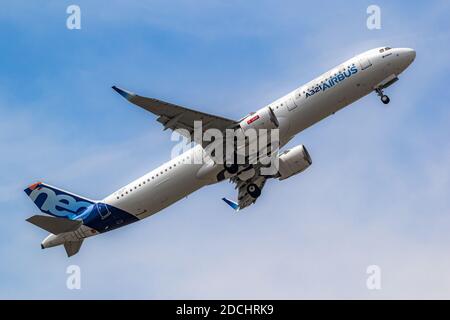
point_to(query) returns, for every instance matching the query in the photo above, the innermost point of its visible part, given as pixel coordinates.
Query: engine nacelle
(262, 119)
(293, 161)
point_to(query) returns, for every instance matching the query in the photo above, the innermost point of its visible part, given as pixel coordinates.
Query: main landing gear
(253, 190)
(384, 98)
(231, 168)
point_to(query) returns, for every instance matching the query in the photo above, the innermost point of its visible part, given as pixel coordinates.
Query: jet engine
(263, 119)
(293, 161)
(246, 149)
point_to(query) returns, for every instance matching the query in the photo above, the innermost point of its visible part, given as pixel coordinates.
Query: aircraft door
(291, 102)
(297, 97)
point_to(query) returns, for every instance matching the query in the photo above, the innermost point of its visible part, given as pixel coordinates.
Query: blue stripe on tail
(96, 215)
(57, 202)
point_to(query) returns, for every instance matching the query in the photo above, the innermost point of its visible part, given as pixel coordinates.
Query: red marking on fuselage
(253, 119)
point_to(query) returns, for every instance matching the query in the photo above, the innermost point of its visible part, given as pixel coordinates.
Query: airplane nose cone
(405, 57)
(410, 54)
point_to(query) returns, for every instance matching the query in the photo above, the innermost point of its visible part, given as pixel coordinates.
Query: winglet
(232, 204)
(124, 93)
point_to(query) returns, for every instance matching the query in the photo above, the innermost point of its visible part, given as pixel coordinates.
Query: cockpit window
(381, 50)
(387, 48)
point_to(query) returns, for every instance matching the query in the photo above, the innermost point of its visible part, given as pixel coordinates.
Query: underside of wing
(176, 117)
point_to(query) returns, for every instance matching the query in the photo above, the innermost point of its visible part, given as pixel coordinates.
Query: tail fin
(72, 247)
(57, 202)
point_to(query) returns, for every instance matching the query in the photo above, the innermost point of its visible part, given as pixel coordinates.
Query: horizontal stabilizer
(54, 225)
(72, 247)
(232, 204)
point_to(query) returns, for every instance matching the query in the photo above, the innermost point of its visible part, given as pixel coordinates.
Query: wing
(244, 198)
(175, 117)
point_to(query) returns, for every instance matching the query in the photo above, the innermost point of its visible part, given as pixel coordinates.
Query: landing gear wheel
(231, 168)
(384, 98)
(253, 190)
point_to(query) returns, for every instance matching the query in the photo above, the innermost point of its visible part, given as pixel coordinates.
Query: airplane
(71, 218)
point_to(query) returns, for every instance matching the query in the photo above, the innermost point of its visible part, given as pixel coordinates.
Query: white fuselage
(295, 111)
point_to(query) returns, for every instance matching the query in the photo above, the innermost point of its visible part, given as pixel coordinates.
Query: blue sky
(377, 192)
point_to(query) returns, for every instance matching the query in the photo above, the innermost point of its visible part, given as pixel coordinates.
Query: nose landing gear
(384, 98)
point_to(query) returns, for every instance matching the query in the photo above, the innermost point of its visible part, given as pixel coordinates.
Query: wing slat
(173, 116)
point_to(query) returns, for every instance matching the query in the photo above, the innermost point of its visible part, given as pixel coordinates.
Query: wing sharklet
(124, 93)
(232, 204)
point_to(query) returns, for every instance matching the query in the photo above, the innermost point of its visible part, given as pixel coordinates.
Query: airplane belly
(175, 186)
(161, 187)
